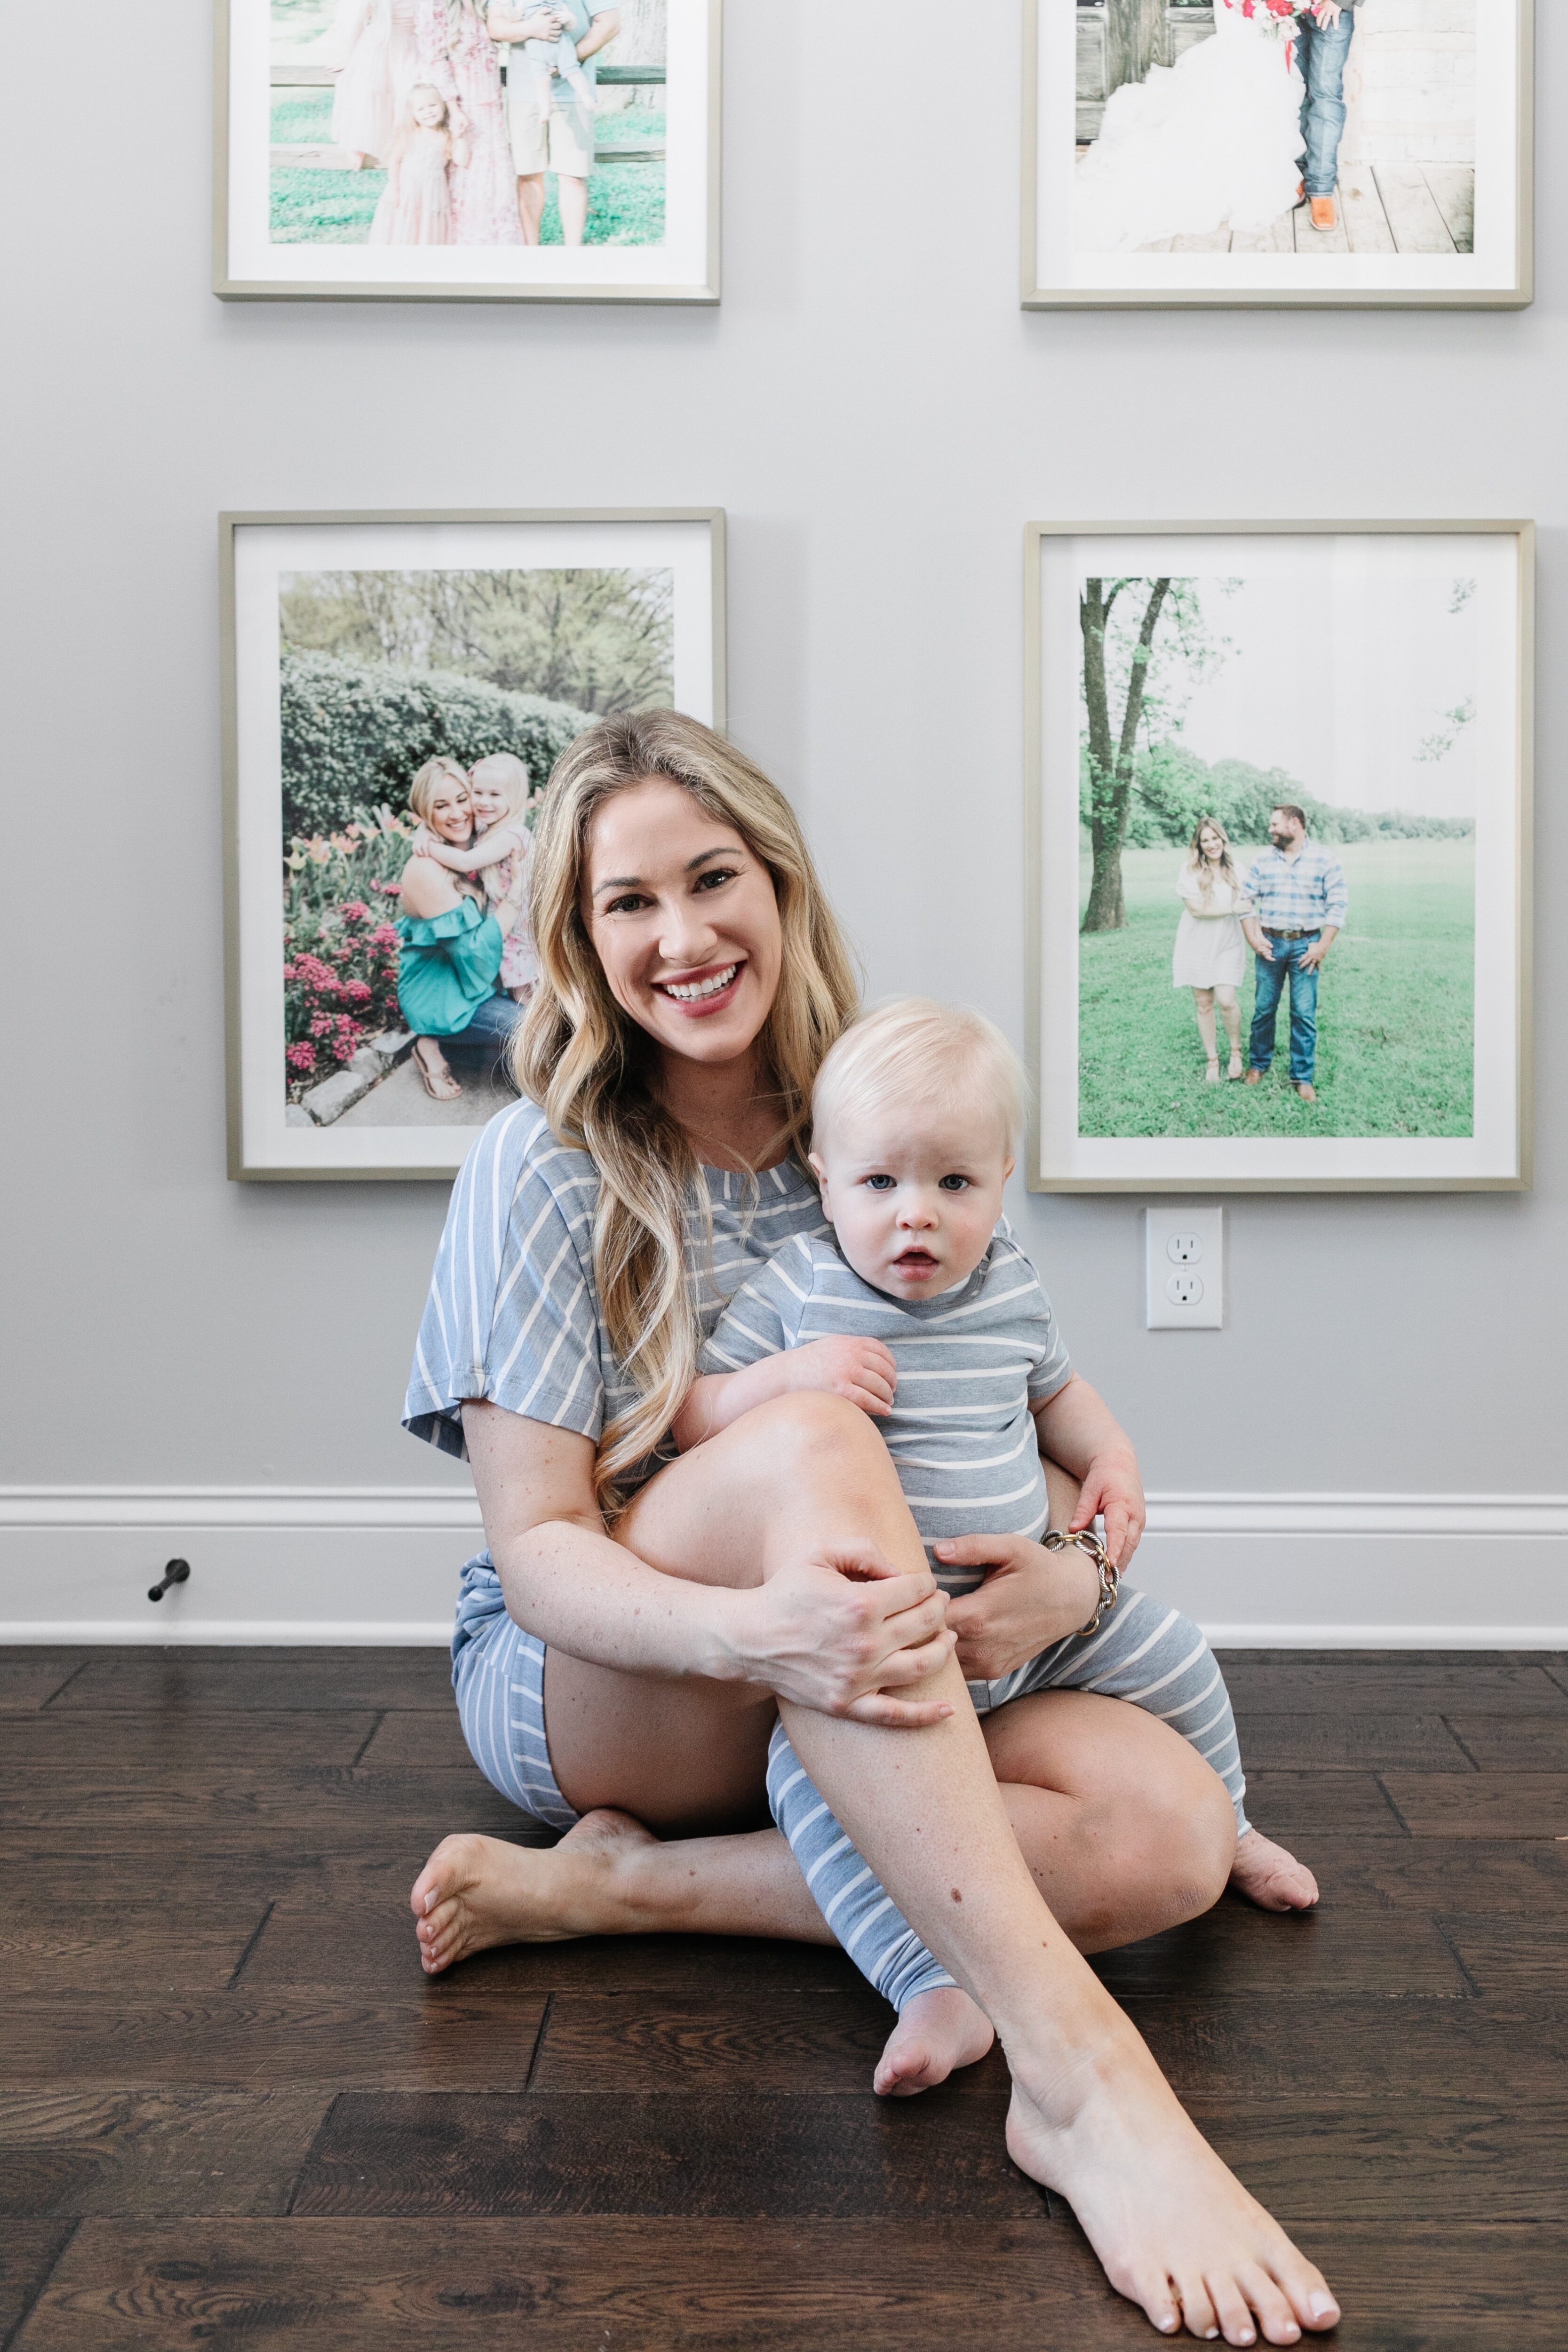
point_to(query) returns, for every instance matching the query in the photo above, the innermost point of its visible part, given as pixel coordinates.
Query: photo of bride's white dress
(1262, 126)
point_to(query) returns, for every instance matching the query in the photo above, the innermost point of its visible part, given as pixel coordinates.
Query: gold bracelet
(1109, 1578)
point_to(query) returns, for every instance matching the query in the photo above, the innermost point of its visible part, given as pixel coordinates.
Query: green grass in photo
(311, 207)
(1396, 1009)
(625, 201)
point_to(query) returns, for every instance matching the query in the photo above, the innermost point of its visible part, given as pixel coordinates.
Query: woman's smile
(702, 993)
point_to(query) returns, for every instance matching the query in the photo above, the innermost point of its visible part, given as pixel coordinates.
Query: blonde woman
(451, 959)
(659, 1614)
(1211, 950)
(373, 52)
(457, 56)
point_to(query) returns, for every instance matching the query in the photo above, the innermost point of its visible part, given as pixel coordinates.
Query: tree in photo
(1123, 691)
(600, 639)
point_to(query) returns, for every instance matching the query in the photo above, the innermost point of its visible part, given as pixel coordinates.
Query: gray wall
(879, 419)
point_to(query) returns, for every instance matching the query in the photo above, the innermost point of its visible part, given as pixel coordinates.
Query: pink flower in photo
(358, 992)
(384, 935)
(301, 1058)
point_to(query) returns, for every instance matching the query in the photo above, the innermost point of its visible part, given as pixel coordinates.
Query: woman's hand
(844, 1634)
(1031, 1599)
(861, 1371)
(1112, 1489)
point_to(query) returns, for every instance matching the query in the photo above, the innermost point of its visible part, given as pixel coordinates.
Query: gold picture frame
(247, 267)
(1071, 1023)
(272, 1136)
(1498, 276)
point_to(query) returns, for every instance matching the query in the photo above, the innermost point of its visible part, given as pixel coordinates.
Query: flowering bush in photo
(340, 944)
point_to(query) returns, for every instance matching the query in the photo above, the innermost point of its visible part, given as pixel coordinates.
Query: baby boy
(919, 1308)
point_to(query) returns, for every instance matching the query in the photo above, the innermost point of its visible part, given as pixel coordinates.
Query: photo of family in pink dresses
(450, 122)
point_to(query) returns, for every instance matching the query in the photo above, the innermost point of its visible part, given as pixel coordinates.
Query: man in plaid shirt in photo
(1298, 902)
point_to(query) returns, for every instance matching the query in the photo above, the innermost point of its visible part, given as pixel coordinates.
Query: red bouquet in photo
(1277, 16)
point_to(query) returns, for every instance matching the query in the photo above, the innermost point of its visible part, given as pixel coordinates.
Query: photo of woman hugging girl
(499, 854)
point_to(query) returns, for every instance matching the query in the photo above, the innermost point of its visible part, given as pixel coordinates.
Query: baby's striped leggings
(1152, 1657)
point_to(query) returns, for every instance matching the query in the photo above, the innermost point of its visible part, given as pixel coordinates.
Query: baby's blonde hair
(505, 770)
(914, 1052)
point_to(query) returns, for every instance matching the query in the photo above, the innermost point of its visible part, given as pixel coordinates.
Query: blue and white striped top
(971, 1366)
(513, 1313)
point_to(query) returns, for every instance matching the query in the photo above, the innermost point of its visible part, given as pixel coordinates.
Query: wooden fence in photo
(314, 154)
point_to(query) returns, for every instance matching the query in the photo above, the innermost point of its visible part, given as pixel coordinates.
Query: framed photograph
(1278, 153)
(473, 150)
(1279, 812)
(397, 689)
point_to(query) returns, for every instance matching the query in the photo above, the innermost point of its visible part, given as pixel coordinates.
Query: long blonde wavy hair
(593, 1071)
(1199, 865)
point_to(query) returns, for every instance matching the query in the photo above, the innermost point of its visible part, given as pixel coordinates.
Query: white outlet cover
(1184, 1268)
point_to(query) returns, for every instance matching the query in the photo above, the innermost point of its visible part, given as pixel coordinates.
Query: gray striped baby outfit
(971, 1366)
(513, 1316)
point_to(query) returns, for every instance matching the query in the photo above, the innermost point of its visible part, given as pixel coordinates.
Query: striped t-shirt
(513, 1312)
(971, 1365)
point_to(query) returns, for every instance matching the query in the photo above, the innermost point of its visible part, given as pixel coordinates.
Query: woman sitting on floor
(660, 1614)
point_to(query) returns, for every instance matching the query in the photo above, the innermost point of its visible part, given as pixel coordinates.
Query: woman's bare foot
(1173, 2228)
(1270, 1878)
(936, 2031)
(477, 1890)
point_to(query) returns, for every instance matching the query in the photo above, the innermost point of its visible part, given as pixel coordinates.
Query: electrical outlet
(1184, 1268)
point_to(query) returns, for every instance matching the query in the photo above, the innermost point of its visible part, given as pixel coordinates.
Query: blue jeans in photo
(1323, 52)
(1270, 980)
(485, 1038)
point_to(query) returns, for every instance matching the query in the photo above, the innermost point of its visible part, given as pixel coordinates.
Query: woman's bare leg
(1203, 1007)
(1092, 2116)
(1230, 1014)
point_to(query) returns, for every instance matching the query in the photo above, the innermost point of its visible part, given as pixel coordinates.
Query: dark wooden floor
(233, 2113)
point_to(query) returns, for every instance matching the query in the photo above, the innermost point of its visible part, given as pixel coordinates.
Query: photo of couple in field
(1279, 794)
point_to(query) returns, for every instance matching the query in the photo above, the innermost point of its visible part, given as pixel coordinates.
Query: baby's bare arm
(862, 1370)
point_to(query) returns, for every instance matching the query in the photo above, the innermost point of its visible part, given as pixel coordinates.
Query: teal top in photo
(448, 966)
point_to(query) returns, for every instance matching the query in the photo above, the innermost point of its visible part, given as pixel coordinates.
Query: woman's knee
(1188, 1837)
(1141, 1792)
(802, 1434)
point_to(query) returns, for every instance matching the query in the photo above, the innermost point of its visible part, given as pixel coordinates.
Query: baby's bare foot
(1173, 2228)
(936, 2031)
(478, 1891)
(1270, 1878)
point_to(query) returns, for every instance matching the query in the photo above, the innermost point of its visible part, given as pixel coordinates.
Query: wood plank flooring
(1382, 208)
(234, 2112)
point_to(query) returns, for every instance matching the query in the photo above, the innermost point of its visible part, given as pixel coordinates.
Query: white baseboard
(379, 1565)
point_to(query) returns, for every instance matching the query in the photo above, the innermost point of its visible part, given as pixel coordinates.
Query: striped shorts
(497, 1673)
(1150, 1655)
